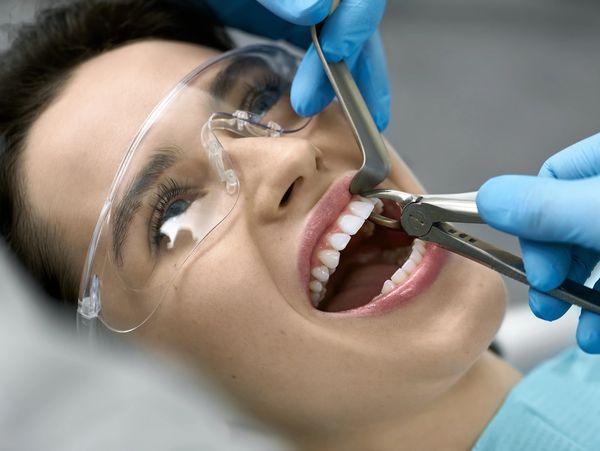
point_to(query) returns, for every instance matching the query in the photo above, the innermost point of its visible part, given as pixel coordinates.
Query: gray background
(480, 87)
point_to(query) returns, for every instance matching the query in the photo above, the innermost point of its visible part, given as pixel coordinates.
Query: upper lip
(322, 215)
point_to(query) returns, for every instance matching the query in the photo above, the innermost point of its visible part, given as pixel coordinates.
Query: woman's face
(241, 306)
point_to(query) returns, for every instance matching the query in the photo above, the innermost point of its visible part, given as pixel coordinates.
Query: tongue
(359, 287)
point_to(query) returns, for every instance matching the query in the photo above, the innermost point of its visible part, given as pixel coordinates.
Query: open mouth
(356, 262)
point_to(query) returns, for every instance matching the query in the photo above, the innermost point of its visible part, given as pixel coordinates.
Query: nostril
(288, 194)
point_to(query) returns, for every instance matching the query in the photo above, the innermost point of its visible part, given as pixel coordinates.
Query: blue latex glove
(350, 34)
(557, 218)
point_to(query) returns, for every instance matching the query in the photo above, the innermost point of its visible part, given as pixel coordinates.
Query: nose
(272, 169)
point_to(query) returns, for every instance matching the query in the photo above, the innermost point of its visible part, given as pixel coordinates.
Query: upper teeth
(350, 224)
(350, 221)
(338, 241)
(329, 258)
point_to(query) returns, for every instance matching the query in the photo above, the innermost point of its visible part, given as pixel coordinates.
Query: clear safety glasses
(176, 182)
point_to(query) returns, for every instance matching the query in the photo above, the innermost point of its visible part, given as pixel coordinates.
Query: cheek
(467, 326)
(401, 174)
(221, 307)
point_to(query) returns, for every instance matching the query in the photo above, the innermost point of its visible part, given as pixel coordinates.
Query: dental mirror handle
(376, 164)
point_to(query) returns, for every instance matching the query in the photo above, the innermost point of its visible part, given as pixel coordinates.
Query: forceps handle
(376, 164)
(448, 237)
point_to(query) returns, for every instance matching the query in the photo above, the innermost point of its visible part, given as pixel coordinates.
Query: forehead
(75, 146)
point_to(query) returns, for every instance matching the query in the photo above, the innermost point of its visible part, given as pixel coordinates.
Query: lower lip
(421, 279)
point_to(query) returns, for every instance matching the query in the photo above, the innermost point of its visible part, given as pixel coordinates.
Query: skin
(329, 382)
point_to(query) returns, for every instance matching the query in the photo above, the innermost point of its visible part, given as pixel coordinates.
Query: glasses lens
(177, 182)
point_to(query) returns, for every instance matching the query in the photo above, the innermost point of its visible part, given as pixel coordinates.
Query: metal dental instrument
(428, 218)
(376, 164)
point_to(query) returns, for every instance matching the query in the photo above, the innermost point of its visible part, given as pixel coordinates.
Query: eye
(263, 94)
(263, 102)
(172, 200)
(175, 209)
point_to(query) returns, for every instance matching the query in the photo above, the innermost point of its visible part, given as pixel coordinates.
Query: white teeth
(375, 201)
(321, 273)
(361, 209)
(378, 205)
(402, 273)
(316, 286)
(419, 247)
(338, 241)
(315, 298)
(399, 276)
(329, 258)
(317, 292)
(350, 224)
(409, 266)
(387, 287)
(352, 220)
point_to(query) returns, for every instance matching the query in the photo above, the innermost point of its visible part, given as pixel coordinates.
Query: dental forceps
(429, 217)
(376, 163)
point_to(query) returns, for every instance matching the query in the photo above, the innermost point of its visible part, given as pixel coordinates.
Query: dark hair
(33, 71)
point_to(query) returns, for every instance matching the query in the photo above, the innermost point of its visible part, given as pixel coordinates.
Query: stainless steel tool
(376, 164)
(429, 217)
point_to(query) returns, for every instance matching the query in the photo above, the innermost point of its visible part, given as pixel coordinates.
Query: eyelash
(166, 193)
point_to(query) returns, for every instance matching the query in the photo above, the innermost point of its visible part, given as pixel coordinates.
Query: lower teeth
(407, 259)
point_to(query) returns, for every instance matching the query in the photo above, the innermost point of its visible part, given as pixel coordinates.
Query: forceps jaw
(400, 197)
(420, 212)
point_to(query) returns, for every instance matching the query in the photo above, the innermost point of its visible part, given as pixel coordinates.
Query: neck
(454, 422)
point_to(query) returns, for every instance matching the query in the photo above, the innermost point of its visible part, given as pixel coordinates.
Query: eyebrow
(144, 181)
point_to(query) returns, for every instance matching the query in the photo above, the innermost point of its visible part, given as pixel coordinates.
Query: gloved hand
(557, 217)
(350, 34)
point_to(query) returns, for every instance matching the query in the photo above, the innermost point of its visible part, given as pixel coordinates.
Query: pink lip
(325, 212)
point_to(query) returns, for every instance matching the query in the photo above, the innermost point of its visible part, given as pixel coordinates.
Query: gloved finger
(581, 160)
(545, 306)
(583, 262)
(546, 264)
(300, 12)
(349, 27)
(251, 16)
(588, 332)
(311, 91)
(370, 73)
(543, 209)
